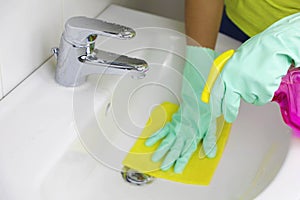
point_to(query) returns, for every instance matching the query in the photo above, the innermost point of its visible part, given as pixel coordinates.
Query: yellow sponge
(198, 171)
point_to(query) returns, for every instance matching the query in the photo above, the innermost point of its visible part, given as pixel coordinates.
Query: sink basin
(110, 112)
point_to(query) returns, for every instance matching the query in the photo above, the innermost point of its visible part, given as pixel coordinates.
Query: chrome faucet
(77, 56)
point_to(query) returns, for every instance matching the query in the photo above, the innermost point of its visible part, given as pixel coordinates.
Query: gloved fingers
(161, 133)
(230, 105)
(173, 154)
(216, 97)
(182, 161)
(189, 141)
(164, 147)
(210, 140)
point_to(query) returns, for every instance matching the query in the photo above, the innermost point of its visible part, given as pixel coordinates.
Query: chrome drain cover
(136, 178)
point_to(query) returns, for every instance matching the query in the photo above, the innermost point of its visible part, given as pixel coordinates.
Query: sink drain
(136, 178)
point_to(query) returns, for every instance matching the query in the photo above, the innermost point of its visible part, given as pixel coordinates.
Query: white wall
(1, 89)
(168, 8)
(30, 28)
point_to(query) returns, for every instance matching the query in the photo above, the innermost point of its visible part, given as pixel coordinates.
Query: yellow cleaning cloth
(198, 171)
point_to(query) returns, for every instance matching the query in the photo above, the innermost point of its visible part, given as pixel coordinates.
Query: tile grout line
(29, 75)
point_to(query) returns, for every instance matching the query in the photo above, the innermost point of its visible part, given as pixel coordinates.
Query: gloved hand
(255, 70)
(192, 122)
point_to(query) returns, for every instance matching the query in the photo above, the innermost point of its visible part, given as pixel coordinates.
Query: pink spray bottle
(288, 98)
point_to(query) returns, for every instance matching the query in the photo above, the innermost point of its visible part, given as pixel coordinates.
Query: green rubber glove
(192, 122)
(255, 70)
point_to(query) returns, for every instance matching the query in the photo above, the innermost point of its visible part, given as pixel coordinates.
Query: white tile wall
(89, 8)
(1, 88)
(173, 9)
(30, 28)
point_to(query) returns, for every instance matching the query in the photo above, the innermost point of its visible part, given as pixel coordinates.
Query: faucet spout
(113, 61)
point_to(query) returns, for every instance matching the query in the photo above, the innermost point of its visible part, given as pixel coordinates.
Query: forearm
(202, 21)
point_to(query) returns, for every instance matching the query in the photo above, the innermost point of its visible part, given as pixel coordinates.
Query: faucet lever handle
(77, 29)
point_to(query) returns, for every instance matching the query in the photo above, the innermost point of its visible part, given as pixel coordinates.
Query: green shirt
(253, 16)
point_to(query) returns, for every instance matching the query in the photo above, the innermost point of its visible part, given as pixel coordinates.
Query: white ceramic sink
(73, 142)
(111, 111)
